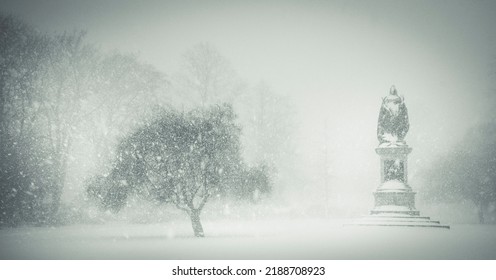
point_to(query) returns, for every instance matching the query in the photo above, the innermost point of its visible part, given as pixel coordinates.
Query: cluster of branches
(467, 173)
(52, 89)
(267, 118)
(184, 159)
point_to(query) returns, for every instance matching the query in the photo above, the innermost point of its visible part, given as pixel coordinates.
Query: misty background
(316, 69)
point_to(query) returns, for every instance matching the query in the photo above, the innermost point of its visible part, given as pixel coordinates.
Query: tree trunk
(480, 211)
(196, 223)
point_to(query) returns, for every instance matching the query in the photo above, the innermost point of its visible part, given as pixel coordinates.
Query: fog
(332, 61)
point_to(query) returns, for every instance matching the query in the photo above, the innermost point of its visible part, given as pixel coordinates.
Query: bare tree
(268, 123)
(208, 77)
(123, 90)
(65, 85)
(22, 53)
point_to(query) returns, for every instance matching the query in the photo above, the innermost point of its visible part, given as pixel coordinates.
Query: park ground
(248, 239)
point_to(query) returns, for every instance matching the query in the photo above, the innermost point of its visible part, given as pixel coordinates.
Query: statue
(393, 121)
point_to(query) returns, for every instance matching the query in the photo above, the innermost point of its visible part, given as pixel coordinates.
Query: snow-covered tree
(181, 158)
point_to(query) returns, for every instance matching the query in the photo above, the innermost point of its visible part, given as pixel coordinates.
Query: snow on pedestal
(394, 198)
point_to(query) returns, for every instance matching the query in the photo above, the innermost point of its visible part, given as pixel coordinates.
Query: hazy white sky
(335, 58)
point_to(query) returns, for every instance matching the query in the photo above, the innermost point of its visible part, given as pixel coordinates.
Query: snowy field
(262, 239)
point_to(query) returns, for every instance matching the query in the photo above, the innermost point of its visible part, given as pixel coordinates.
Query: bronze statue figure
(393, 121)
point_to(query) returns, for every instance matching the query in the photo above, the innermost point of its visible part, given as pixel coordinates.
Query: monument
(394, 198)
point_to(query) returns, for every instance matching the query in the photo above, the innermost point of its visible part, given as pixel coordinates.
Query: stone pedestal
(394, 195)
(394, 198)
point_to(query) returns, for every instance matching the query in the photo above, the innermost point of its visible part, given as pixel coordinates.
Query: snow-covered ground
(255, 239)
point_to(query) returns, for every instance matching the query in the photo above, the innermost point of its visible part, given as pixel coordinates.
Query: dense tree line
(58, 93)
(52, 89)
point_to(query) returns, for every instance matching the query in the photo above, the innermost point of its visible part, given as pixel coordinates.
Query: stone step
(397, 216)
(398, 212)
(399, 221)
(393, 224)
(403, 221)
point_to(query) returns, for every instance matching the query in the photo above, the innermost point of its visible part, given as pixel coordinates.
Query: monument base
(395, 207)
(394, 199)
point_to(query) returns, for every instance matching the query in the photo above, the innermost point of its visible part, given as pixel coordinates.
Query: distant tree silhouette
(468, 172)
